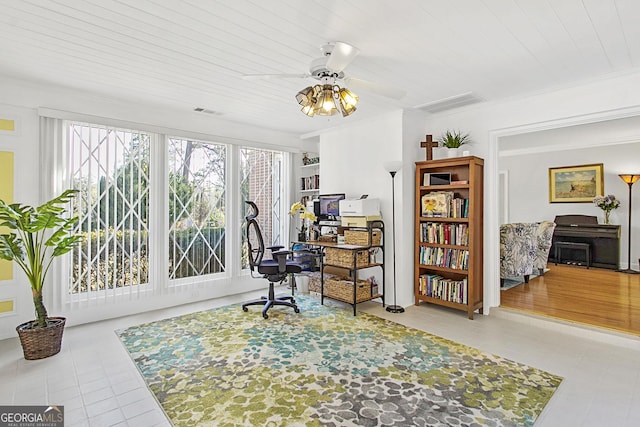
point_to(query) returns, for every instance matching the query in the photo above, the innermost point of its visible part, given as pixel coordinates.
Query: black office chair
(274, 270)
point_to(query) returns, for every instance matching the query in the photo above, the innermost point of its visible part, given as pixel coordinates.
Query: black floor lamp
(629, 179)
(393, 168)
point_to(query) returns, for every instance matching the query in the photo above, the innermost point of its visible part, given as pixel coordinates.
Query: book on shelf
(444, 233)
(460, 182)
(459, 208)
(455, 259)
(436, 286)
(310, 182)
(436, 204)
(443, 204)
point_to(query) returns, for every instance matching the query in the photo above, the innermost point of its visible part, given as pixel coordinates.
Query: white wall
(413, 126)
(352, 162)
(613, 98)
(529, 184)
(528, 174)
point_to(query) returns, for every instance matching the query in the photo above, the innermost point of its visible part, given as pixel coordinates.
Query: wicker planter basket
(38, 343)
(341, 288)
(344, 258)
(361, 237)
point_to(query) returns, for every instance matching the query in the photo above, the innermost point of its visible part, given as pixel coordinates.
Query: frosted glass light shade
(392, 166)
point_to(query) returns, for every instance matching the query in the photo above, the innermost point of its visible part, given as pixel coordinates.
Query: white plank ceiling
(183, 54)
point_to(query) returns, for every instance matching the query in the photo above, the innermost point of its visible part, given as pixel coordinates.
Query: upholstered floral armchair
(518, 248)
(544, 238)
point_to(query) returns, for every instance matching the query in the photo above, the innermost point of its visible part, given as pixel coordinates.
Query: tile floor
(96, 381)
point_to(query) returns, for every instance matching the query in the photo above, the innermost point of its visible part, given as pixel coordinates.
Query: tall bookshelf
(448, 233)
(309, 186)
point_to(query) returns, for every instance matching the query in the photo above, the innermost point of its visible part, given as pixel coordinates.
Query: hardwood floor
(594, 296)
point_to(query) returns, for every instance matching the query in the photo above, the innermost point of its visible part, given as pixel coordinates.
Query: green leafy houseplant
(36, 236)
(454, 139)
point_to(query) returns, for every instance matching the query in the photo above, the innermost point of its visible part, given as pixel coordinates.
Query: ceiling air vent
(450, 103)
(207, 111)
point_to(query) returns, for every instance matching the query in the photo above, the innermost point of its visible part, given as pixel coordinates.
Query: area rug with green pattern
(326, 367)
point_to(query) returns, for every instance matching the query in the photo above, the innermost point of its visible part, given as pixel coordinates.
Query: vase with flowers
(307, 217)
(607, 204)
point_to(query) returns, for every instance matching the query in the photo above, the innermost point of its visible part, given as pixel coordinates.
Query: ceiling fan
(330, 68)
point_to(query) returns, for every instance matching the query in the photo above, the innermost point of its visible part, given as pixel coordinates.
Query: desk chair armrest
(281, 257)
(273, 249)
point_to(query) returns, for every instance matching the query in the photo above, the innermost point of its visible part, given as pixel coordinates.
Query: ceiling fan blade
(341, 55)
(367, 86)
(274, 76)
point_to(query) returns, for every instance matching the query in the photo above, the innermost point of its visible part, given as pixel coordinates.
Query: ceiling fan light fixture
(348, 101)
(305, 96)
(308, 110)
(325, 105)
(327, 100)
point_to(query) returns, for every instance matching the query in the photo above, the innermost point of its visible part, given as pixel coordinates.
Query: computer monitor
(329, 205)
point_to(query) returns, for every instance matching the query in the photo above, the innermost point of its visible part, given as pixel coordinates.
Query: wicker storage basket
(314, 281)
(344, 258)
(341, 288)
(38, 343)
(361, 237)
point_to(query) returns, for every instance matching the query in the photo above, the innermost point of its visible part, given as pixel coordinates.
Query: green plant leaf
(67, 244)
(454, 139)
(10, 247)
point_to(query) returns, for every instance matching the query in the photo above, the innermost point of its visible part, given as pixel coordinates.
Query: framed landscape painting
(576, 184)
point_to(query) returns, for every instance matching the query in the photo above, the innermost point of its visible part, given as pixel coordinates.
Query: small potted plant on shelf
(37, 235)
(452, 141)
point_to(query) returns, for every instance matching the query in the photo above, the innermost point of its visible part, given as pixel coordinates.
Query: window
(110, 168)
(154, 212)
(261, 183)
(196, 208)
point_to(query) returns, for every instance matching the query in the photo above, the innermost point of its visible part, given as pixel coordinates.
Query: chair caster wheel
(245, 309)
(296, 309)
(265, 315)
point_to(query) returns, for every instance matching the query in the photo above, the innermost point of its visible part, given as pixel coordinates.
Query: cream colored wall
(6, 194)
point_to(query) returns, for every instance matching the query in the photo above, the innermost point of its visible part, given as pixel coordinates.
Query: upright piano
(604, 240)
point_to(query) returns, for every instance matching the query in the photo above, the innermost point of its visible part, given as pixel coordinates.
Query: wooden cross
(428, 145)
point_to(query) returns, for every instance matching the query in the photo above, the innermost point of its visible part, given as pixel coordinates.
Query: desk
(355, 266)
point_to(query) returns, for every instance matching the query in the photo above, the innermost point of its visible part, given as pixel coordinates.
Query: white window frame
(53, 151)
(205, 278)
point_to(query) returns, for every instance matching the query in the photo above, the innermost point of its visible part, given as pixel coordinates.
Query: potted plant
(453, 140)
(36, 235)
(299, 208)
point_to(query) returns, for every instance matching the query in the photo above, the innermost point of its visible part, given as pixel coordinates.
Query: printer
(359, 207)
